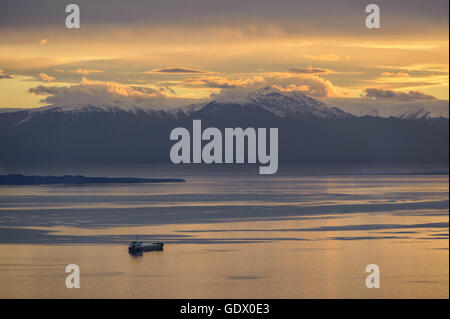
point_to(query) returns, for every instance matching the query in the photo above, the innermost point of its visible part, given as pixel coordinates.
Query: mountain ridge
(293, 105)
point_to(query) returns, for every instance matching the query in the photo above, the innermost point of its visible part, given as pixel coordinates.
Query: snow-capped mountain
(291, 105)
(266, 102)
(118, 108)
(294, 105)
(309, 132)
(410, 110)
(417, 114)
(79, 110)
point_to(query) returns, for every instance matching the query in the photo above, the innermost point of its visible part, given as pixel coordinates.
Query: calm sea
(301, 234)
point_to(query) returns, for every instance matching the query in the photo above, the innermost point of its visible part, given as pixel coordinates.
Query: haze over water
(305, 233)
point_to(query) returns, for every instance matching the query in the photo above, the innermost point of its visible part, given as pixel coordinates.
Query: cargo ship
(138, 246)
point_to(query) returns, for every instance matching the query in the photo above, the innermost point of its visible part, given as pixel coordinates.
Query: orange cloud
(85, 71)
(309, 84)
(5, 76)
(109, 94)
(310, 70)
(46, 78)
(216, 82)
(396, 95)
(175, 70)
(398, 74)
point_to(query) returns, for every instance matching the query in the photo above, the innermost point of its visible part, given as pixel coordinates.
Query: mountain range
(309, 131)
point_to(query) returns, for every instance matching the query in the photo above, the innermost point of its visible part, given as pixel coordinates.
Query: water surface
(230, 236)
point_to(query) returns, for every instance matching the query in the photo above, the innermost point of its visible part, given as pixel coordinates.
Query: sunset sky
(175, 52)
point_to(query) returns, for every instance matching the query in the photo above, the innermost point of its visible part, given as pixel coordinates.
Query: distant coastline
(19, 179)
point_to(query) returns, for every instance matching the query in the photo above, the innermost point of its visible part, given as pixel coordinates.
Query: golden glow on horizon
(126, 54)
